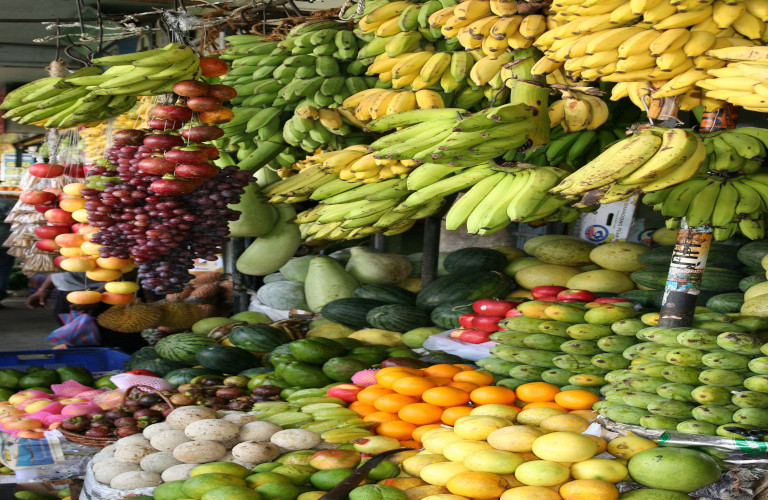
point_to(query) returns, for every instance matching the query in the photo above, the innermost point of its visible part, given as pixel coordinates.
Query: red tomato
(487, 323)
(143, 372)
(491, 307)
(465, 320)
(474, 337)
(538, 292)
(582, 295)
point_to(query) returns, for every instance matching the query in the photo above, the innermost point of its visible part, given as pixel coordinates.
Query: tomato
(474, 337)
(582, 295)
(487, 323)
(538, 292)
(466, 320)
(611, 300)
(491, 307)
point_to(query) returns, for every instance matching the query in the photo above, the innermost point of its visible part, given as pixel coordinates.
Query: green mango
(528, 373)
(610, 361)
(697, 427)
(685, 356)
(672, 409)
(647, 384)
(740, 343)
(80, 375)
(521, 324)
(10, 378)
(586, 331)
(582, 347)
(735, 431)
(750, 399)
(694, 338)
(758, 383)
(664, 336)
(681, 374)
(653, 352)
(620, 377)
(716, 415)
(509, 337)
(755, 417)
(39, 378)
(650, 369)
(557, 376)
(720, 378)
(316, 350)
(536, 358)
(542, 341)
(640, 399)
(616, 395)
(505, 352)
(615, 343)
(659, 422)
(304, 375)
(556, 328)
(676, 392)
(759, 365)
(630, 352)
(627, 327)
(572, 362)
(623, 414)
(711, 395)
(725, 360)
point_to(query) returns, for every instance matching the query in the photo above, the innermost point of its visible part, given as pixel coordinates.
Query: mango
(672, 409)
(619, 376)
(676, 392)
(650, 369)
(740, 343)
(698, 339)
(477, 427)
(517, 438)
(601, 280)
(572, 362)
(677, 469)
(659, 422)
(752, 323)
(623, 414)
(494, 461)
(564, 313)
(625, 447)
(586, 380)
(681, 374)
(564, 446)
(511, 383)
(583, 347)
(736, 431)
(536, 358)
(712, 316)
(617, 395)
(758, 383)
(718, 326)
(608, 314)
(615, 343)
(720, 378)
(438, 474)
(505, 352)
(424, 491)
(650, 319)
(542, 473)
(459, 450)
(627, 327)
(755, 417)
(435, 440)
(527, 373)
(562, 251)
(556, 376)
(647, 384)
(759, 365)
(750, 399)
(653, 352)
(610, 361)
(664, 336)
(640, 399)
(586, 331)
(542, 341)
(631, 352)
(534, 416)
(716, 415)
(725, 360)
(523, 323)
(696, 427)
(685, 357)
(335, 459)
(556, 328)
(711, 395)
(413, 465)
(509, 337)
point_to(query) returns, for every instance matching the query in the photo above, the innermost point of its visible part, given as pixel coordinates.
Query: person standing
(6, 260)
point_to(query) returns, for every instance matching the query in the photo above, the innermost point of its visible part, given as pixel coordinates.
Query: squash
(270, 252)
(297, 268)
(282, 295)
(257, 216)
(377, 268)
(327, 281)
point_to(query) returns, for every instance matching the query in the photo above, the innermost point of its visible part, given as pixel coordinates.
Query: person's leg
(6, 267)
(61, 306)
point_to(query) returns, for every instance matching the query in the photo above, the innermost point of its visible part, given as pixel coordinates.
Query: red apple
(77, 226)
(466, 320)
(49, 232)
(202, 133)
(188, 154)
(191, 88)
(455, 334)
(163, 141)
(58, 215)
(196, 171)
(548, 298)
(47, 245)
(475, 337)
(513, 313)
(37, 197)
(156, 165)
(582, 295)
(171, 112)
(222, 92)
(45, 170)
(491, 307)
(487, 323)
(345, 392)
(546, 291)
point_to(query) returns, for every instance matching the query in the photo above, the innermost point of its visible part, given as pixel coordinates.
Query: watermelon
(146, 353)
(752, 253)
(468, 260)
(397, 318)
(350, 312)
(713, 280)
(182, 346)
(160, 366)
(446, 316)
(719, 255)
(185, 375)
(258, 338)
(463, 286)
(726, 302)
(646, 298)
(751, 280)
(226, 359)
(389, 294)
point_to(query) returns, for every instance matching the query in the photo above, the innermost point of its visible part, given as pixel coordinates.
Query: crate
(95, 359)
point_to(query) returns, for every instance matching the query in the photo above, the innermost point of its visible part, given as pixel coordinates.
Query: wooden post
(431, 246)
(234, 249)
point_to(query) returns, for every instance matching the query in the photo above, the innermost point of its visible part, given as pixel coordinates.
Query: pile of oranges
(407, 402)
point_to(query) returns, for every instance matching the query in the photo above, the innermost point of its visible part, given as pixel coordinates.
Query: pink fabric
(48, 418)
(124, 381)
(69, 389)
(89, 394)
(76, 409)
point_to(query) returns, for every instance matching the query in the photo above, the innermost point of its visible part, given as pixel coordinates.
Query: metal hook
(645, 105)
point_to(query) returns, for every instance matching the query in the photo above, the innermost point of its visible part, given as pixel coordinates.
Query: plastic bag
(79, 330)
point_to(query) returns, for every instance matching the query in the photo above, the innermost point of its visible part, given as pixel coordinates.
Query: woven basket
(101, 442)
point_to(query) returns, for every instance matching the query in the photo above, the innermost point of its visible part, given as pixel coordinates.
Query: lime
(266, 467)
(170, 490)
(231, 493)
(197, 486)
(328, 479)
(105, 382)
(298, 474)
(260, 478)
(278, 491)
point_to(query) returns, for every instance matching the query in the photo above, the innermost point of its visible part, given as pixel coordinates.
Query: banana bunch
(374, 103)
(60, 102)
(578, 110)
(399, 26)
(573, 150)
(742, 81)
(492, 26)
(311, 128)
(450, 136)
(729, 192)
(653, 159)
(517, 194)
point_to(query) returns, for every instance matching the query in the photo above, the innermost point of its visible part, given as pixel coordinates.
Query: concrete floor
(22, 328)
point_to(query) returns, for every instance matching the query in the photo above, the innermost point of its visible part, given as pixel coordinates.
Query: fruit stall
(399, 250)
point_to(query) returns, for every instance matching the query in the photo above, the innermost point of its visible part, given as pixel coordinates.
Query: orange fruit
(378, 417)
(445, 396)
(441, 370)
(464, 386)
(361, 408)
(391, 403)
(422, 429)
(536, 392)
(389, 378)
(576, 399)
(492, 394)
(388, 369)
(397, 429)
(420, 413)
(372, 393)
(451, 415)
(544, 404)
(412, 386)
(410, 443)
(475, 376)
(439, 381)
(464, 367)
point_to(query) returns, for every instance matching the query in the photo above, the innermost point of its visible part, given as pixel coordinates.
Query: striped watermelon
(182, 346)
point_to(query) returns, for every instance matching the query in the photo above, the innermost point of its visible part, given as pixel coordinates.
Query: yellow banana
(439, 18)
(749, 26)
(485, 69)
(435, 66)
(402, 101)
(428, 99)
(670, 60)
(503, 8)
(532, 26)
(637, 44)
(684, 19)
(354, 100)
(472, 9)
(698, 43)
(411, 64)
(669, 40)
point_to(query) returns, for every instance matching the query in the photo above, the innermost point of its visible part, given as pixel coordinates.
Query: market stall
(474, 250)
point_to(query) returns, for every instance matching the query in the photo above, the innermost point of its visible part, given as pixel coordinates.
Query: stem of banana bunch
(532, 91)
(689, 257)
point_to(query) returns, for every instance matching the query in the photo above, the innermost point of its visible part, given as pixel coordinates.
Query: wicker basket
(101, 442)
